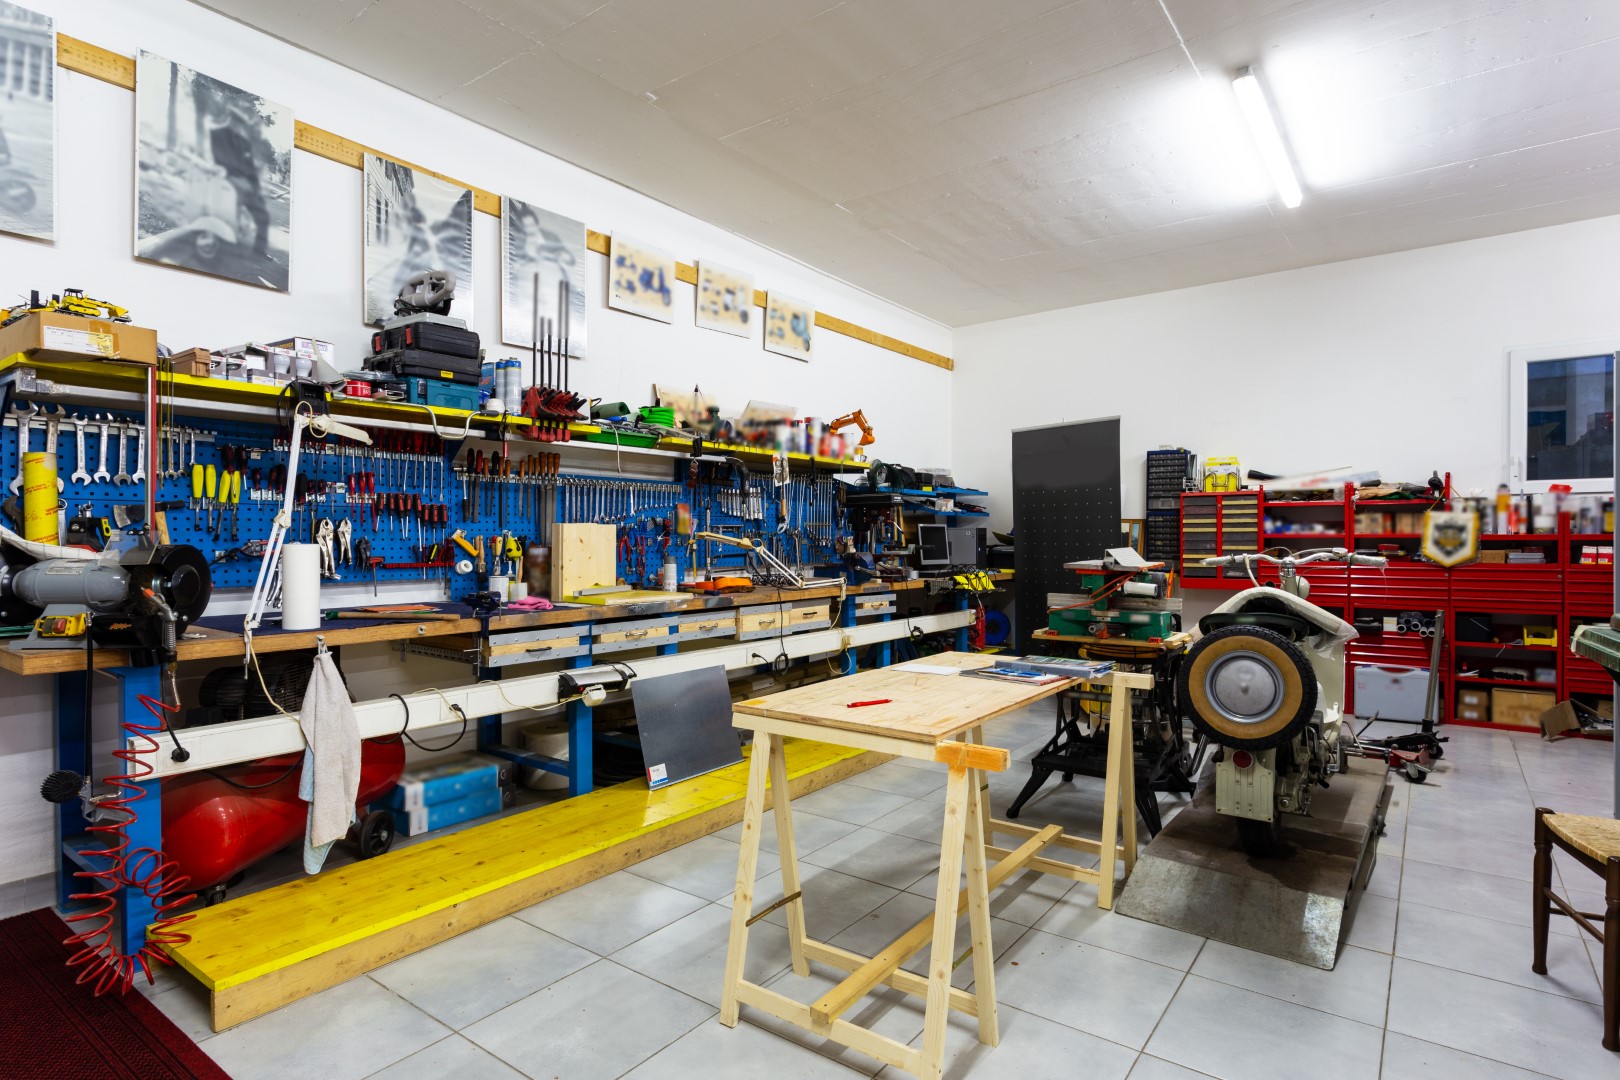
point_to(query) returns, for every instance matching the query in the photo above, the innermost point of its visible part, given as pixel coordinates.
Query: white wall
(1396, 362)
(95, 167)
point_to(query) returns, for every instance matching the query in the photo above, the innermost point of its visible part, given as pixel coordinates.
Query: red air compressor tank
(218, 823)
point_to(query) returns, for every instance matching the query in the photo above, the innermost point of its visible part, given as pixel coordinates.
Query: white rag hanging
(331, 777)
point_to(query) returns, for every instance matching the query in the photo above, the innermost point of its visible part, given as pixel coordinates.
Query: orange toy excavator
(856, 419)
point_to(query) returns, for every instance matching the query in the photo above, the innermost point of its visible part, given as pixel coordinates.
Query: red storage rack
(1508, 590)
(1401, 587)
(1560, 593)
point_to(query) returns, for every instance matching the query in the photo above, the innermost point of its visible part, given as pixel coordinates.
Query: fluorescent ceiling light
(1263, 126)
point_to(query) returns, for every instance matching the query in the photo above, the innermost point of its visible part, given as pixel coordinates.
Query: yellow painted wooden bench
(271, 948)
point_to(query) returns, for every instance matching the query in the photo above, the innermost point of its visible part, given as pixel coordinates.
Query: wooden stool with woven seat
(1593, 842)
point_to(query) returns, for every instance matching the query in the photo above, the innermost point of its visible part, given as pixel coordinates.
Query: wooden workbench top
(923, 707)
(220, 637)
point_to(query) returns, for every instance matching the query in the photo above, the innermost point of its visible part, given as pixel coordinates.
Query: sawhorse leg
(1119, 792)
(742, 901)
(978, 888)
(960, 803)
(787, 848)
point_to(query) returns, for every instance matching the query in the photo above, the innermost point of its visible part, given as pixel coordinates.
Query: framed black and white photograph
(542, 253)
(27, 123)
(213, 175)
(414, 222)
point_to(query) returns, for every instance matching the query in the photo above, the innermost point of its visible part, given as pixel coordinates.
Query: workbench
(1163, 759)
(931, 716)
(219, 638)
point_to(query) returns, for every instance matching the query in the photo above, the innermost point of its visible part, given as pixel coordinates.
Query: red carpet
(53, 1028)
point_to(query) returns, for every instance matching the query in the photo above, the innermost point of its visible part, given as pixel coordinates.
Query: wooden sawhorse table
(927, 715)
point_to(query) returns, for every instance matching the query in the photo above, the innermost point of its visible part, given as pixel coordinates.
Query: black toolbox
(419, 364)
(428, 336)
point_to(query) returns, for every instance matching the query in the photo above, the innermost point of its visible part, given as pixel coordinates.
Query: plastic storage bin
(1390, 692)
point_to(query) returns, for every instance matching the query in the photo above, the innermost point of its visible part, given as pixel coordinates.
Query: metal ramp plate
(1196, 877)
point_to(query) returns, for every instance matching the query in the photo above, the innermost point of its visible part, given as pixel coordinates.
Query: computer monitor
(965, 546)
(933, 546)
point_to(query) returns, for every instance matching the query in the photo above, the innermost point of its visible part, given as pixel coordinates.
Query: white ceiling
(976, 159)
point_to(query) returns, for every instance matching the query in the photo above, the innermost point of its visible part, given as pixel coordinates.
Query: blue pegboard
(643, 510)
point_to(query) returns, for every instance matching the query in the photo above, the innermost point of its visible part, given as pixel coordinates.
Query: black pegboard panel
(1065, 507)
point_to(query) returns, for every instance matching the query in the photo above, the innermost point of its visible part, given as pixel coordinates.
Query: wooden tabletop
(221, 638)
(923, 707)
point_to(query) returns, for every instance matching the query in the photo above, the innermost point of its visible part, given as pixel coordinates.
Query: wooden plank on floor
(274, 947)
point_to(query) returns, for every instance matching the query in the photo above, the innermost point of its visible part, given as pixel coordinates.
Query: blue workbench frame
(73, 737)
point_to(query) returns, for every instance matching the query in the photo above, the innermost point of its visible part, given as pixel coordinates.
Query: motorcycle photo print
(27, 123)
(213, 175)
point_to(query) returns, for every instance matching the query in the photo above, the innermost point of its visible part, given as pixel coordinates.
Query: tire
(1261, 839)
(1269, 685)
(214, 894)
(376, 834)
(1415, 773)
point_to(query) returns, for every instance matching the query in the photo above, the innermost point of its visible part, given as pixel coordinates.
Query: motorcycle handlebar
(1350, 558)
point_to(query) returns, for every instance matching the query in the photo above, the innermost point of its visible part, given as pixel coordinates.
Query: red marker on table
(859, 704)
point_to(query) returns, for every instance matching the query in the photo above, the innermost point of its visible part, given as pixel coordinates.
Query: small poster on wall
(725, 299)
(641, 280)
(414, 222)
(542, 252)
(790, 326)
(28, 124)
(213, 175)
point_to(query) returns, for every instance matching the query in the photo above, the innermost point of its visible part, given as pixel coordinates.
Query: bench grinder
(140, 599)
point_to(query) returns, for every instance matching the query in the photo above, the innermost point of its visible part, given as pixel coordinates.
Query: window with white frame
(1561, 416)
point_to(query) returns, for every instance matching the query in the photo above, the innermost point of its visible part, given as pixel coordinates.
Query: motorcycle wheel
(1261, 839)
(1247, 687)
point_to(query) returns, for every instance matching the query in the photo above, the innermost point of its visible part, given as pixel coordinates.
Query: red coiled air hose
(145, 869)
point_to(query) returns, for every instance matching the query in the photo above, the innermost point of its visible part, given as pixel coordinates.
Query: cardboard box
(52, 335)
(199, 362)
(1571, 716)
(1520, 708)
(1492, 555)
(1473, 714)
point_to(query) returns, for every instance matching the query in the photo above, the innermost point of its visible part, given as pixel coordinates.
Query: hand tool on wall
(139, 476)
(210, 491)
(123, 476)
(53, 428)
(25, 428)
(236, 502)
(102, 475)
(324, 536)
(81, 475)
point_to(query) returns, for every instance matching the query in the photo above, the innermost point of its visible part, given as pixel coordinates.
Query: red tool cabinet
(1560, 593)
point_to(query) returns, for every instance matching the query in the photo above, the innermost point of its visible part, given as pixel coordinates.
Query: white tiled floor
(622, 977)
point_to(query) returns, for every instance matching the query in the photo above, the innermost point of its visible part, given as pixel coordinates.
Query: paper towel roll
(300, 587)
